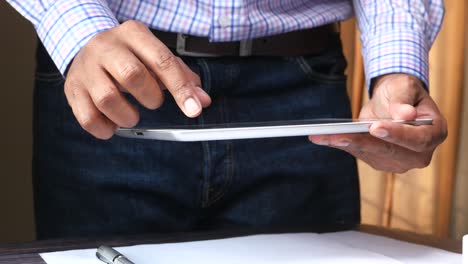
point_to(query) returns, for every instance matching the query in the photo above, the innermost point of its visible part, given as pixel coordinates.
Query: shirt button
(224, 21)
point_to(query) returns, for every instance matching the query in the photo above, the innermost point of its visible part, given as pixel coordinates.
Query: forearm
(65, 26)
(397, 35)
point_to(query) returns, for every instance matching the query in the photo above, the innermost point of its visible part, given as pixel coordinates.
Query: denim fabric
(87, 187)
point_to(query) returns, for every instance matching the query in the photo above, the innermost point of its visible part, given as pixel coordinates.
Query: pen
(111, 256)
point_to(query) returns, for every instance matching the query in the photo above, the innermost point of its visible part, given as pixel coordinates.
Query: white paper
(402, 251)
(465, 249)
(341, 247)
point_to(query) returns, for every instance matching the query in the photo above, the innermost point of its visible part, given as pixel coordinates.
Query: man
(218, 62)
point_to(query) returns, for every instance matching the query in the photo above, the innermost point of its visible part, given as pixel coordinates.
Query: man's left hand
(391, 146)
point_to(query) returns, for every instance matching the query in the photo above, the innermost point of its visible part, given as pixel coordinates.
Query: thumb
(402, 111)
(403, 96)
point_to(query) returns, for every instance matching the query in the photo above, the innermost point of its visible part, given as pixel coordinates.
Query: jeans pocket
(49, 77)
(46, 71)
(323, 69)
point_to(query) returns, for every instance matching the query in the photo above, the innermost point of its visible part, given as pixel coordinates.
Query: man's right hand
(127, 58)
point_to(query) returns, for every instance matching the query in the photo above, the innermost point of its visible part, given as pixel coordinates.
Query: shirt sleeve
(65, 26)
(397, 34)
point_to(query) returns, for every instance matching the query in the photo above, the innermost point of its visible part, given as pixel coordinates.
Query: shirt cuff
(399, 51)
(68, 25)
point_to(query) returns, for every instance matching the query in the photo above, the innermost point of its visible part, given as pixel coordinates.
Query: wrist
(401, 79)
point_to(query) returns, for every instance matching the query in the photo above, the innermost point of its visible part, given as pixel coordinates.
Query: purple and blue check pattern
(396, 34)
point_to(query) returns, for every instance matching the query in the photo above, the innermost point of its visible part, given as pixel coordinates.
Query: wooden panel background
(420, 200)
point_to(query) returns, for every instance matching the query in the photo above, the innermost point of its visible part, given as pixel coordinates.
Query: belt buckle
(245, 48)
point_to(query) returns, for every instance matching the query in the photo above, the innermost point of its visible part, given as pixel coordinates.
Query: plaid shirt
(396, 34)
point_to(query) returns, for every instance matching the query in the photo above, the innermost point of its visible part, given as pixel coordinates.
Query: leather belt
(296, 43)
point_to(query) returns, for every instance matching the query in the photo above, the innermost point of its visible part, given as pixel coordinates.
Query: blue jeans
(87, 187)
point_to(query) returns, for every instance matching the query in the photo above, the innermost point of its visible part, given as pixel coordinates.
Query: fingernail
(192, 107)
(343, 143)
(381, 133)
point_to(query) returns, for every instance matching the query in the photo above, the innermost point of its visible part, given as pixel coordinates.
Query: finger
(379, 154)
(322, 140)
(133, 77)
(401, 92)
(416, 138)
(174, 78)
(190, 74)
(403, 100)
(205, 99)
(86, 113)
(110, 101)
(399, 111)
(399, 88)
(159, 59)
(364, 143)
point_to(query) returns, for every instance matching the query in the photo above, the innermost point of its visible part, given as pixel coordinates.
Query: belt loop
(182, 49)
(245, 48)
(180, 44)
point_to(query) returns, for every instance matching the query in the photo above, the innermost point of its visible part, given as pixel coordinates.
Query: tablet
(257, 130)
